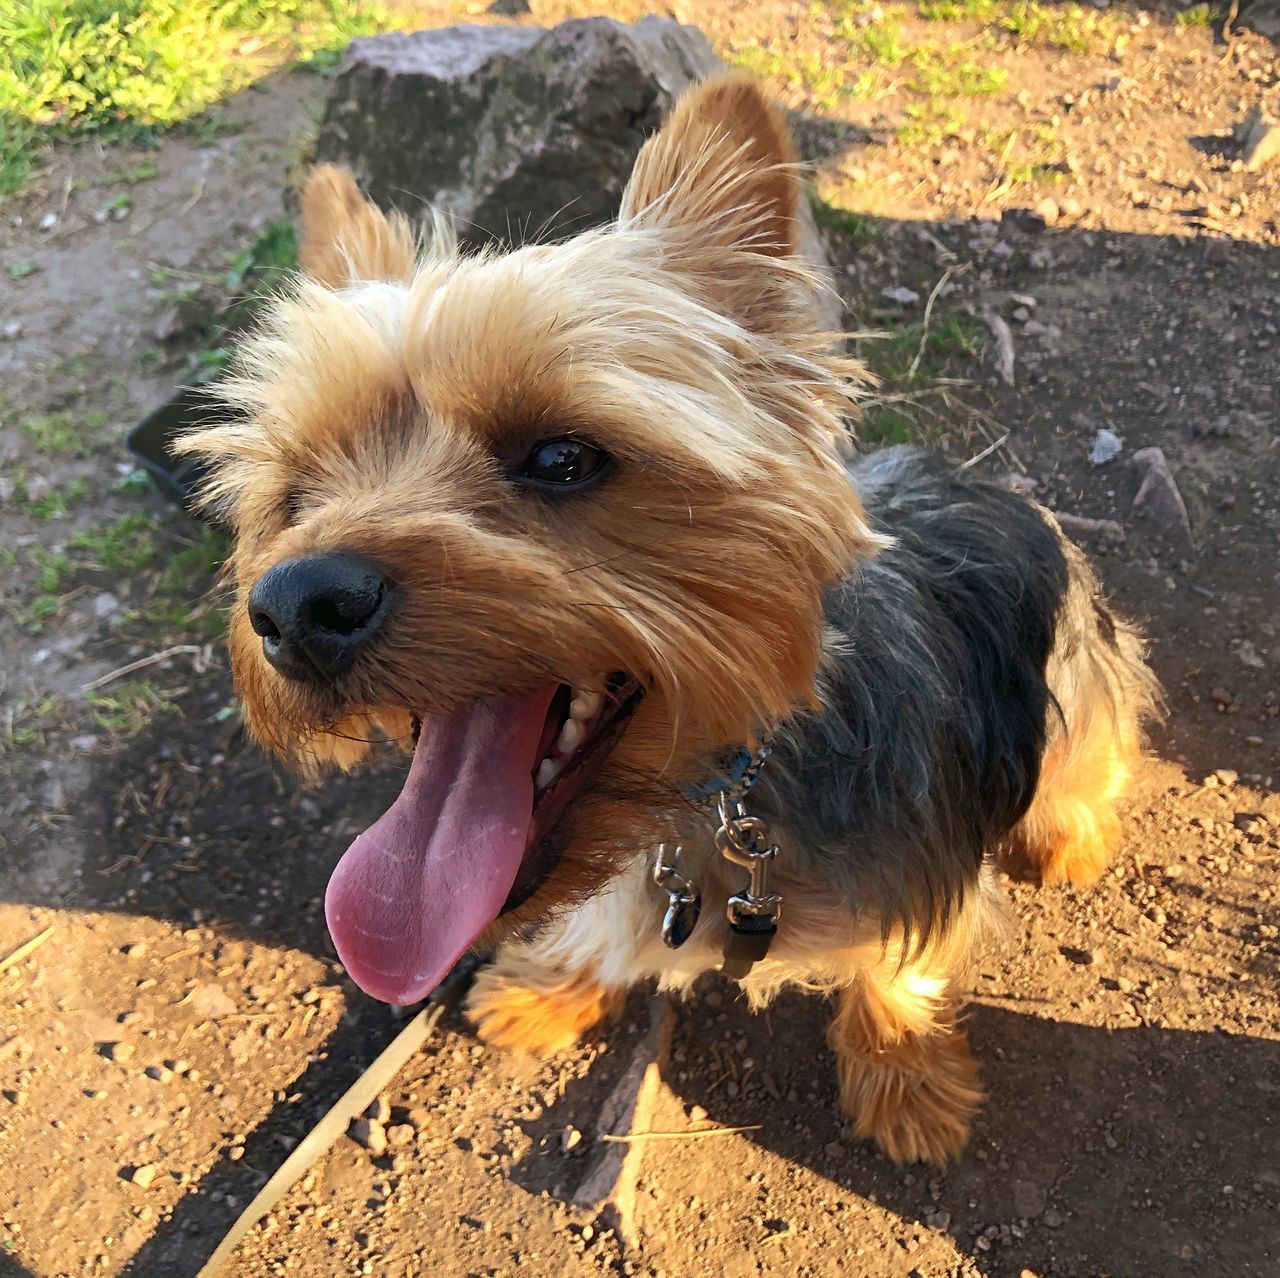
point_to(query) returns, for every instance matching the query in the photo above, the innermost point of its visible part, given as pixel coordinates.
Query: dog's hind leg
(522, 1001)
(1104, 690)
(907, 1079)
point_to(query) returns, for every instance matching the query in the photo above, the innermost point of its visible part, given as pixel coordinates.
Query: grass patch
(860, 228)
(930, 124)
(60, 435)
(134, 174)
(958, 10)
(1067, 26)
(127, 545)
(53, 503)
(129, 68)
(129, 707)
(1199, 15)
(908, 361)
(948, 73)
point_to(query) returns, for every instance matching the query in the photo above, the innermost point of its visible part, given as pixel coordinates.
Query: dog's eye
(563, 463)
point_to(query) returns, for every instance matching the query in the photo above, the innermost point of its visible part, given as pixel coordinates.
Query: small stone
(159, 1073)
(1226, 776)
(120, 1052)
(418, 1119)
(372, 1135)
(939, 1219)
(210, 1001)
(1085, 958)
(134, 950)
(834, 1149)
(379, 1110)
(144, 1175)
(15, 1096)
(1053, 1218)
(1048, 210)
(235, 1153)
(570, 1138)
(401, 1134)
(1248, 653)
(1124, 985)
(1221, 697)
(49, 221)
(1028, 1199)
(1259, 138)
(1070, 207)
(1158, 497)
(903, 296)
(11, 330)
(1107, 446)
(697, 1114)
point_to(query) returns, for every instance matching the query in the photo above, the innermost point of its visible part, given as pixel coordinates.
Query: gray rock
(1158, 498)
(520, 133)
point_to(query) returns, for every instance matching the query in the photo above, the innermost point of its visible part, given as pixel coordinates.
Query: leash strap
(354, 1101)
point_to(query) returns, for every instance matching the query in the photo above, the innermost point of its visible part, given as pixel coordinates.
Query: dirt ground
(186, 1015)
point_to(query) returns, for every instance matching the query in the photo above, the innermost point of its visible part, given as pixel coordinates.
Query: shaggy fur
(932, 658)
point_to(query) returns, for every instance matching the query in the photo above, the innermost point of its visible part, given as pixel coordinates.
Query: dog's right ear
(346, 239)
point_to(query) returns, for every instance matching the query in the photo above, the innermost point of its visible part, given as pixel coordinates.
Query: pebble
(834, 1149)
(379, 1110)
(11, 330)
(400, 1134)
(570, 1138)
(159, 1072)
(697, 1114)
(122, 1052)
(940, 1219)
(903, 296)
(1107, 446)
(1226, 776)
(418, 1119)
(235, 1153)
(1048, 209)
(134, 950)
(1053, 1218)
(144, 1176)
(370, 1134)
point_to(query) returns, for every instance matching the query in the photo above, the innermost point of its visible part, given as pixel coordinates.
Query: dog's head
(563, 516)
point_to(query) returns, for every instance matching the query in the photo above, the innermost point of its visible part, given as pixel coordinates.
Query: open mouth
(482, 821)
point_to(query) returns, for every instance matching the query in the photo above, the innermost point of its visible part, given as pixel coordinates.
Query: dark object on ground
(178, 478)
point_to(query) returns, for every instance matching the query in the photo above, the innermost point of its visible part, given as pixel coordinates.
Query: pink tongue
(416, 889)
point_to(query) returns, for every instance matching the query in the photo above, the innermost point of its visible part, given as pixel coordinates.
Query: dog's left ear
(722, 166)
(346, 239)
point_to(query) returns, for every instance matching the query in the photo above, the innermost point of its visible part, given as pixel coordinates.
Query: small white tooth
(570, 737)
(547, 773)
(585, 706)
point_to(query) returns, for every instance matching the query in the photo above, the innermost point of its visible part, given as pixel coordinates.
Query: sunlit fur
(916, 660)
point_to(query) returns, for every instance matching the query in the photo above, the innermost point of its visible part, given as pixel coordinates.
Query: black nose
(316, 613)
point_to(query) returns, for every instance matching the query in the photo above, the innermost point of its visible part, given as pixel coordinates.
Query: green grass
(930, 124)
(126, 545)
(129, 68)
(59, 434)
(907, 361)
(1199, 15)
(1068, 26)
(53, 503)
(861, 228)
(948, 73)
(128, 708)
(958, 10)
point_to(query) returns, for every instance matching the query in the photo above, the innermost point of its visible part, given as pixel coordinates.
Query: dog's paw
(916, 1117)
(540, 1014)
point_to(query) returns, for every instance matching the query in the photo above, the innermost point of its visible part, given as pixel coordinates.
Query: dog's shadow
(1087, 1152)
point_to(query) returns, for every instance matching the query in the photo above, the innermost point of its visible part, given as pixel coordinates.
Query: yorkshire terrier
(578, 524)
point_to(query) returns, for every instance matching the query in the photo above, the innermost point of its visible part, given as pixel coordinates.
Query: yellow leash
(354, 1101)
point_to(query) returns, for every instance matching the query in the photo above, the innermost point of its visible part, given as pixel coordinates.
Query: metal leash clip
(684, 901)
(754, 912)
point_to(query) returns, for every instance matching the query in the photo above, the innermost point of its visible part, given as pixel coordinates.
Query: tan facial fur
(388, 400)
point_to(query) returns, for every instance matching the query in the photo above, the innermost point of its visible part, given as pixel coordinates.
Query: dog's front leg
(907, 1079)
(526, 1001)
